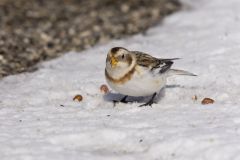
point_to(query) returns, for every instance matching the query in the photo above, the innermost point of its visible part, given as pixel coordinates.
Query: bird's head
(119, 60)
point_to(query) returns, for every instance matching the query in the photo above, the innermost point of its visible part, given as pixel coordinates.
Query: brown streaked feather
(122, 79)
(153, 63)
(146, 60)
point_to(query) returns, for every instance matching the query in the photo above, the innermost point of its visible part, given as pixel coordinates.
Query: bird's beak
(113, 62)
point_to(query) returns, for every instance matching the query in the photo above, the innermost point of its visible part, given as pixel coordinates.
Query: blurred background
(35, 30)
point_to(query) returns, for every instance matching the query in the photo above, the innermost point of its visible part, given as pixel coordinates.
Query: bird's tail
(179, 72)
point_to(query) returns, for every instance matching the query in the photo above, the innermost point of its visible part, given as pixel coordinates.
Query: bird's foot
(123, 100)
(150, 102)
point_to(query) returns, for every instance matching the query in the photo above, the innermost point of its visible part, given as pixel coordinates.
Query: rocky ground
(35, 30)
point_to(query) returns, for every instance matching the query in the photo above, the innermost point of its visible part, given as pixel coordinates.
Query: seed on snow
(104, 89)
(194, 97)
(78, 98)
(207, 101)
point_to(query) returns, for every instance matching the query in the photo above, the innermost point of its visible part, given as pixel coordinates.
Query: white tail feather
(180, 72)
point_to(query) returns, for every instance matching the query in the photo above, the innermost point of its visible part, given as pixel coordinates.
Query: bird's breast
(141, 83)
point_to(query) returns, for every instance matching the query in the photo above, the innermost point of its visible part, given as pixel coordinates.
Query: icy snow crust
(206, 35)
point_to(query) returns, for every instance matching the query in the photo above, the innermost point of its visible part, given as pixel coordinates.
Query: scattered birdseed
(207, 101)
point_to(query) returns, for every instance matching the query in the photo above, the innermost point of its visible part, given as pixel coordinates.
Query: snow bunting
(133, 73)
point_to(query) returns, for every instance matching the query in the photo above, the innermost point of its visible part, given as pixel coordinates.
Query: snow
(39, 120)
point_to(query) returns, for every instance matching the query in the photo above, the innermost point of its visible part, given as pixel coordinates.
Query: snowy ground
(206, 35)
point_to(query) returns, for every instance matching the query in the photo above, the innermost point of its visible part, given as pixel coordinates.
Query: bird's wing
(154, 64)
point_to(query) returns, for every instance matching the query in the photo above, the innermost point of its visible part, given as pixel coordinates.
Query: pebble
(32, 31)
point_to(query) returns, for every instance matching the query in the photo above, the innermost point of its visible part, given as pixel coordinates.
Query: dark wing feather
(154, 64)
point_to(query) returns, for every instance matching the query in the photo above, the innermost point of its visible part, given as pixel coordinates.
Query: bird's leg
(150, 102)
(123, 100)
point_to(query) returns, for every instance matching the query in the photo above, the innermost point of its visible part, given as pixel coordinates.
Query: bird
(138, 74)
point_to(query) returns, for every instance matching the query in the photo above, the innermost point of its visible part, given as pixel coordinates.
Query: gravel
(35, 30)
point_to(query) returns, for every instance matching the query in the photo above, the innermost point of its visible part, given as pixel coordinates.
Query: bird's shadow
(174, 86)
(117, 97)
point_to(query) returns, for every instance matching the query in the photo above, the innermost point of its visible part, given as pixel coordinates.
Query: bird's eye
(123, 56)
